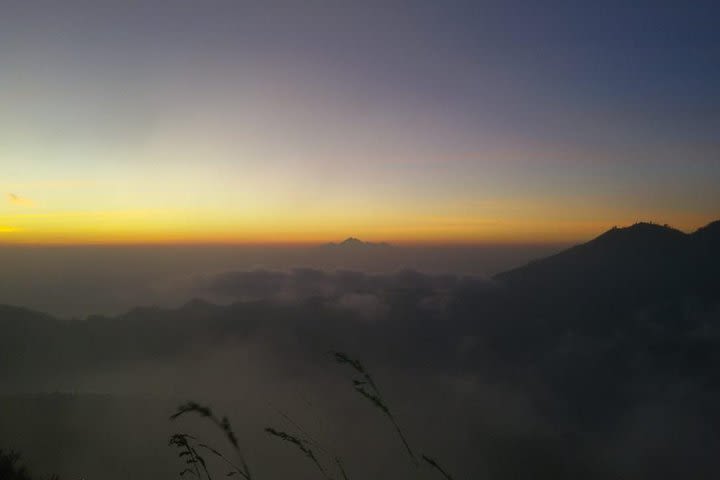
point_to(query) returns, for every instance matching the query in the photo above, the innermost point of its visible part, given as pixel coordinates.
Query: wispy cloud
(58, 184)
(19, 201)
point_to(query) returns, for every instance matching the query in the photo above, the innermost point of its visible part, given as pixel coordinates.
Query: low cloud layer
(562, 376)
(498, 383)
(307, 282)
(369, 295)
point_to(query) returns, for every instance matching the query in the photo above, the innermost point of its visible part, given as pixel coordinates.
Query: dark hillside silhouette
(641, 264)
(706, 260)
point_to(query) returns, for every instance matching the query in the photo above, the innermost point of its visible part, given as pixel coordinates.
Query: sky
(408, 122)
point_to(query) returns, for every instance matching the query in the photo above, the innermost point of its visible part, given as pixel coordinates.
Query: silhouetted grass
(307, 442)
(194, 460)
(223, 424)
(301, 444)
(11, 467)
(363, 383)
(366, 387)
(436, 466)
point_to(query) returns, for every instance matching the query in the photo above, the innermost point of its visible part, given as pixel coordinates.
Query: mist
(494, 376)
(76, 281)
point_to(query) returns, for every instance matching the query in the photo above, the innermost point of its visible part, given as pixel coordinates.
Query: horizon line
(178, 241)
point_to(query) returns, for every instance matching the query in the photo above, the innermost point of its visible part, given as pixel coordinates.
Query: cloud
(365, 305)
(307, 282)
(19, 201)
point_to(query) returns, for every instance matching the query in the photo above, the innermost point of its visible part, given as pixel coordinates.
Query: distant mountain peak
(353, 242)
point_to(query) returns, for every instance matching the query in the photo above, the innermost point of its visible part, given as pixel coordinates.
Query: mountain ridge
(634, 262)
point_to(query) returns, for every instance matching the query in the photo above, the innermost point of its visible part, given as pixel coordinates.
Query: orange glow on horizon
(191, 228)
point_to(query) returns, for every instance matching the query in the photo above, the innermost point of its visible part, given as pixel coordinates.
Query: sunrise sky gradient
(306, 122)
